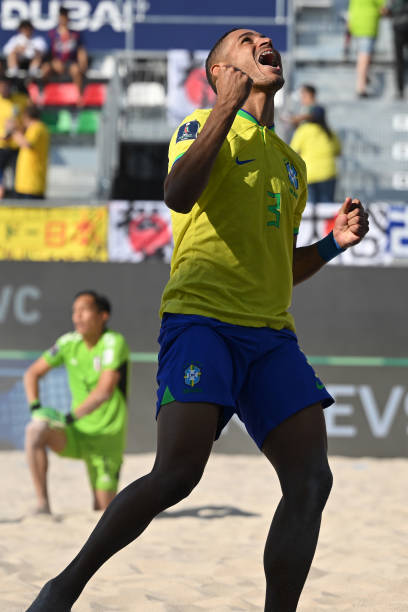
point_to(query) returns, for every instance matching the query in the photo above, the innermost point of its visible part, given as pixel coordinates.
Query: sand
(206, 553)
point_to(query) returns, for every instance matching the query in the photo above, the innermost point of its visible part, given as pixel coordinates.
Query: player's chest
(85, 366)
(261, 180)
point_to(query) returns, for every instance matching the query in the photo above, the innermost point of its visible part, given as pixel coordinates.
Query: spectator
(363, 20)
(24, 51)
(398, 10)
(31, 169)
(68, 56)
(308, 104)
(12, 105)
(319, 147)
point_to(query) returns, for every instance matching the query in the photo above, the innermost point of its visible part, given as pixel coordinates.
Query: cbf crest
(292, 174)
(192, 375)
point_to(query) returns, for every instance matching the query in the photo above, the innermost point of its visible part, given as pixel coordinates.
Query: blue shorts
(365, 44)
(260, 374)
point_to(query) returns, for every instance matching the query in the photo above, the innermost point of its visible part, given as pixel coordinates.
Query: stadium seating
(34, 93)
(94, 94)
(87, 122)
(60, 94)
(58, 122)
(145, 94)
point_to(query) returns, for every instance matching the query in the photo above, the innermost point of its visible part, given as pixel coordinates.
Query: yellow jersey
(318, 150)
(233, 252)
(11, 108)
(31, 169)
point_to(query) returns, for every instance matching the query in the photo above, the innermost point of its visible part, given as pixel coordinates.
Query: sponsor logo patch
(188, 131)
(54, 350)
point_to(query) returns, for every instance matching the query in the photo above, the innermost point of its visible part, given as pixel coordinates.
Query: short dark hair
(64, 11)
(310, 88)
(32, 111)
(25, 23)
(101, 302)
(212, 55)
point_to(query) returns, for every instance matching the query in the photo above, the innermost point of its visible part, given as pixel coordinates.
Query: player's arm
(350, 227)
(189, 176)
(107, 383)
(31, 378)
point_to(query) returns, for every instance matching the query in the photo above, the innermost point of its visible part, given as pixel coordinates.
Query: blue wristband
(328, 247)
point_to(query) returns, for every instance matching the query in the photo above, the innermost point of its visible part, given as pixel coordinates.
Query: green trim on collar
(243, 113)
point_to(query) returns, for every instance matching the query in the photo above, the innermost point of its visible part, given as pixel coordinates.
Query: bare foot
(43, 508)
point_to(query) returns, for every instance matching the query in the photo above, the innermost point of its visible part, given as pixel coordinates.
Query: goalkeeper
(96, 360)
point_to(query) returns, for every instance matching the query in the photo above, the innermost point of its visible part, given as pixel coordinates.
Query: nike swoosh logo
(244, 161)
(319, 385)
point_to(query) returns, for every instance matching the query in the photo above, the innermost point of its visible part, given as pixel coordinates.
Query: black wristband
(69, 418)
(35, 405)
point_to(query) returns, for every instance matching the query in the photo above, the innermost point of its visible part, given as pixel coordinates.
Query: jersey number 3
(274, 209)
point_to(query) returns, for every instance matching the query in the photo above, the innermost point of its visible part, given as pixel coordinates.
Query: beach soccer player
(228, 343)
(96, 360)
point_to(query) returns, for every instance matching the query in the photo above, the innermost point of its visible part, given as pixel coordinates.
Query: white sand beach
(206, 553)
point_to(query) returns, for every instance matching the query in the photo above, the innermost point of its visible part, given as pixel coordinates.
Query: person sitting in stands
(68, 56)
(24, 51)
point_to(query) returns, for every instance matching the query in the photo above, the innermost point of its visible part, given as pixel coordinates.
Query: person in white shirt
(24, 51)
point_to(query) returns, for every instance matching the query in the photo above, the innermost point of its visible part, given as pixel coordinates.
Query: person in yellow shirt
(237, 193)
(318, 146)
(12, 105)
(32, 160)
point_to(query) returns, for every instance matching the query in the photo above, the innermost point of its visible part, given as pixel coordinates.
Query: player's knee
(36, 433)
(319, 485)
(177, 483)
(310, 495)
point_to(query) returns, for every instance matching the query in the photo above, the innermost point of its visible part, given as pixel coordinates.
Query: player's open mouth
(270, 58)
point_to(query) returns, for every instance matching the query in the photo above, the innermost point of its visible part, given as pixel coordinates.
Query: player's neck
(92, 339)
(261, 106)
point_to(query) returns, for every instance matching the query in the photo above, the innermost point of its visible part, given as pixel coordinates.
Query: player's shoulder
(191, 125)
(199, 114)
(112, 339)
(69, 338)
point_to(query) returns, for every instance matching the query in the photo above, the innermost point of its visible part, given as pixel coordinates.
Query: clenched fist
(233, 85)
(351, 223)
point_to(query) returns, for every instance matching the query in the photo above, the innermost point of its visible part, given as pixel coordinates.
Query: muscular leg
(297, 450)
(185, 438)
(38, 437)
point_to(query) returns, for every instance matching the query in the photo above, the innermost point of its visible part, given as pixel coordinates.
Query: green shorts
(103, 457)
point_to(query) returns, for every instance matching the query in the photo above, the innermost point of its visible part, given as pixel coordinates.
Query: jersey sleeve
(115, 353)
(184, 136)
(54, 356)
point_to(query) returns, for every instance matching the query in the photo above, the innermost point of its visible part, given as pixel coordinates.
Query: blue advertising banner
(158, 24)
